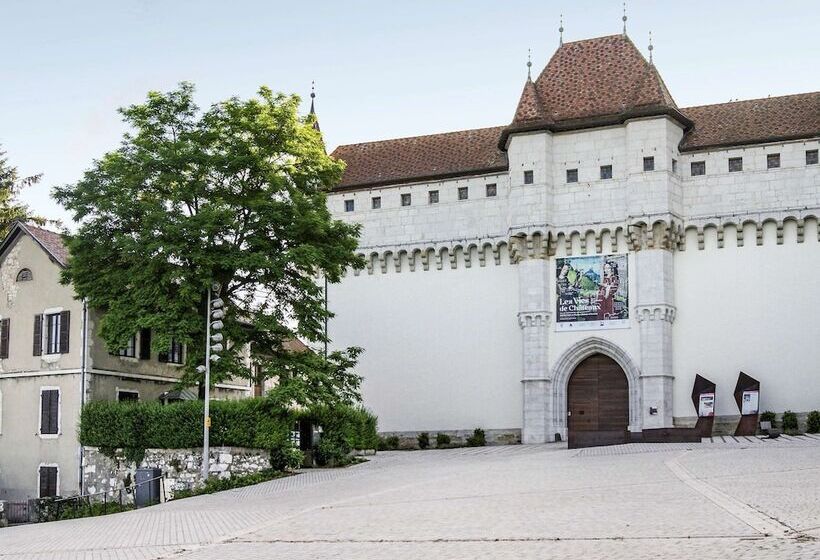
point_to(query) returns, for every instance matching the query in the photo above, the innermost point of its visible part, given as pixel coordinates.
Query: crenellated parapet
(656, 312)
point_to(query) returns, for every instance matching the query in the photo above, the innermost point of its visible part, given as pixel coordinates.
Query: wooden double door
(597, 404)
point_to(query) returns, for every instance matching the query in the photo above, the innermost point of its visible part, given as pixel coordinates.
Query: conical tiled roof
(587, 83)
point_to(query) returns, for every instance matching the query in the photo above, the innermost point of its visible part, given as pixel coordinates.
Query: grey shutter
(4, 338)
(65, 322)
(145, 344)
(38, 335)
(48, 482)
(49, 411)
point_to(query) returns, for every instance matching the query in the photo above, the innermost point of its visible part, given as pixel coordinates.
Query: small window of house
(606, 172)
(5, 324)
(572, 175)
(349, 205)
(175, 353)
(130, 349)
(811, 157)
(528, 177)
(698, 168)
(463, 193)
(432, 197)
(649, 163)
(674, 165)
(735, 164)
(376, 202)
(127, 396)
(491, 189)
(772, 161)
(405, 199)
(56, 327)
(24, 275)
(47, 476)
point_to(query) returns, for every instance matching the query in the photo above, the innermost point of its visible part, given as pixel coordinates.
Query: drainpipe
(83, 383)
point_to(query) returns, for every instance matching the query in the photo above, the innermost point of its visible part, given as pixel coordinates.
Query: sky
(382, 69)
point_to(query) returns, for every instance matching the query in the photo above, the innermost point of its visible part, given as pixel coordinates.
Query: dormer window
(25, 275)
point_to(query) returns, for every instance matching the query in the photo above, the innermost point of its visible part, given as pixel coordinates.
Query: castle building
(569, 274)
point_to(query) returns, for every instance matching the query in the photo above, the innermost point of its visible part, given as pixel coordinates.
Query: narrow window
(606, 172)
(572, 175)
(811, 157)
(49, 411)
(175, 355)
(376, 202)
(491, 189)
(432, 197)
(145, 344)
(528, 177)
(4, 338)
(674, 165)
(349, 205)
(649, 163)
(56, 337)
(698, 168)
(772, 161)
(130, 349)
(405, 199)
(127, 396)
(24, 275)
(48, 481)
(735, 164)
(463, 193)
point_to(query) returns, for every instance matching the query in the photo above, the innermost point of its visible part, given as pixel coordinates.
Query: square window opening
(405, 199)
(529, 178)
(606, 172)
(811, 157)
(735, 164)
(572, 175)
(698, 168)
(649, 163)
(463, 193)
(432, 197)
(376, 202)
(350, 205)
(492, 190)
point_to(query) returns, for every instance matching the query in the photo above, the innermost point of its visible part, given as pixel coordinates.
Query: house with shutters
(52, 362)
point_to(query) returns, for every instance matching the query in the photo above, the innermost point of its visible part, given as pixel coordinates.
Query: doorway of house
(597, 403)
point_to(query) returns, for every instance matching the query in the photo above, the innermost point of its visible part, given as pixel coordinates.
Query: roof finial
(529, 64)
(561, 32)
(312, 108)
(651, 48)
(624, 18)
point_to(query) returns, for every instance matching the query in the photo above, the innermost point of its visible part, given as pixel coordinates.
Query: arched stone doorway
(597, 403)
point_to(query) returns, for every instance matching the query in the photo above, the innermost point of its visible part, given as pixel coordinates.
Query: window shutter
(48, 482)
(49, 411)
(65, 321)
(4, 338)
(145, 344)
(38, 335)
(43, 482)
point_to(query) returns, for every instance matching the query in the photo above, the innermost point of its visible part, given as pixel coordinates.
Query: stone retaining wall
(181, 468)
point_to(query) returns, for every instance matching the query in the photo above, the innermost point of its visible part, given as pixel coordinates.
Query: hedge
(256, 423)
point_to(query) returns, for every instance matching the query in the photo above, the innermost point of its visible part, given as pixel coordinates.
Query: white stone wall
(451, 323)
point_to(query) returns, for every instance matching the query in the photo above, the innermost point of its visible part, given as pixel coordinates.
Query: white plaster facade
(455, 307)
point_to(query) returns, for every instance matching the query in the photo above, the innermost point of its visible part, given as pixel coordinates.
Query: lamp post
(213, 345)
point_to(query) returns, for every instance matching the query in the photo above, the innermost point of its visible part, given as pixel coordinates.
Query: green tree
(235, 194)
(11, 209)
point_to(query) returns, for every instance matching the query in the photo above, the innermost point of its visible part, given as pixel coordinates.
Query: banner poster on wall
(591, 292)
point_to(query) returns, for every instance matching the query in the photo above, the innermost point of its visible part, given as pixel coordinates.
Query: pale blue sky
(382, 69)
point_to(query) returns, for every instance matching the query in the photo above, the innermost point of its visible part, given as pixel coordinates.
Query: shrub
(813, 422)
(768, 416)
(477, 439)
(424, 440)
(442, 440)
(392, 442)
(790, 422)
(216, 484)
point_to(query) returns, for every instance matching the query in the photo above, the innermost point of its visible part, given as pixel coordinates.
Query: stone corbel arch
(569, 360)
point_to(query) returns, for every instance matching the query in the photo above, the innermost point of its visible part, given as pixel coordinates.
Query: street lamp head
(217, 314)
(218, 303)
(216, 287)
(217, 325)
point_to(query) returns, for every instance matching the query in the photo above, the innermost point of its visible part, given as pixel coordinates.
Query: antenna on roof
(529, 64)
(561, 32)
(650, 47)
(624, 18)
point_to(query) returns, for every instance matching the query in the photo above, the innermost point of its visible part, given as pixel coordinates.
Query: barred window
(491, 189)
(811, 157)
(349, 205)
(606, 172)
(698, 168)
(463, 193)
(528, 177)
(376, 202)
(735, 164)
(649, 163)
(432, 197)
(405, 199)
(572, 175)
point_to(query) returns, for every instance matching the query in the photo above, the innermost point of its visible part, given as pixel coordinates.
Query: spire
(529, 64)
(312, 108)
(623, 18)
(561, 32)
(650, 48)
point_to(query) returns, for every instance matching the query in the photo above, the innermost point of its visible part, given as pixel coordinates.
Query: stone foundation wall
(181, 468)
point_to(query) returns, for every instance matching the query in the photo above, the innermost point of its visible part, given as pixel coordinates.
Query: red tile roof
(51, 241)
(420, 158)
(753, 121)
(595, 82)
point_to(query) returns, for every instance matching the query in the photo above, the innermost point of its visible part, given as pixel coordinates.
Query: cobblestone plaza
(729, 498)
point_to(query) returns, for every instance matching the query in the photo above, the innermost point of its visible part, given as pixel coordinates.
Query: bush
(424, 440)
(768, 416)
(813, 422)
(442, 440)
(477, 439)
(216, 484)
(789, 422)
